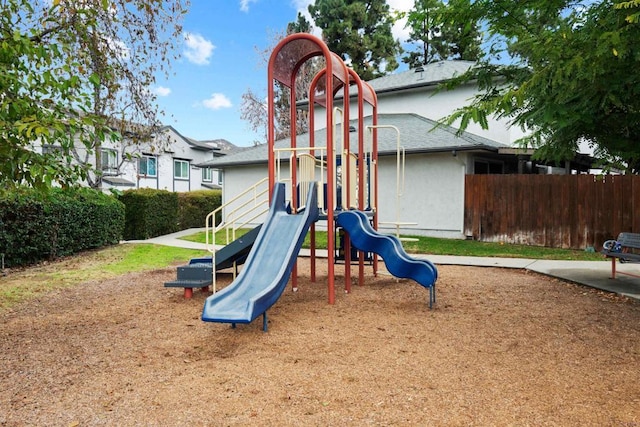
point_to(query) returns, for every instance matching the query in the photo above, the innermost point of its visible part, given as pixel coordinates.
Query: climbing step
(192, 276)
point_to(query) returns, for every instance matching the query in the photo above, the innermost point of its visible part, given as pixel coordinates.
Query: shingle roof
(427, 75)
(431, 74)
(218, 147)
(220, 144)
(417, 135)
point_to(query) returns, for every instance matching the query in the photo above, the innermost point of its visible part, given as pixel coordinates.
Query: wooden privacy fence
(564, 211)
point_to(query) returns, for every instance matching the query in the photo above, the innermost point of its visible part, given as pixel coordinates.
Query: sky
(219, 62)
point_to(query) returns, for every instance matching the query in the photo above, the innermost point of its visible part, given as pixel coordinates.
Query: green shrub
(149, 213)
(194, 206)
(38, 226)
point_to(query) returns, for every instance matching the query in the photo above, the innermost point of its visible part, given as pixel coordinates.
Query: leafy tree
(130, 44)
(253, 109)
(360, 32)
(440, 34)
(426, 31)
(634, 16)
(40, 97)
(572, 77)
(72, 74)
(462, 38)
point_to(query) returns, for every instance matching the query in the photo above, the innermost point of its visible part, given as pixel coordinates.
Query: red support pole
(361, 164)
(313, 253)
(347, 263)
(346, 181)
(374, 150)
(270, 131)
(293, 163)
(312, 142)
(613, 267)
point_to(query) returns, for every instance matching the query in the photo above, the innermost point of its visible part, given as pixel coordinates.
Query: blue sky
(219, 62)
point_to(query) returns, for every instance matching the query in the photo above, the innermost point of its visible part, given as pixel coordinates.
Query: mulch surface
(500, 347)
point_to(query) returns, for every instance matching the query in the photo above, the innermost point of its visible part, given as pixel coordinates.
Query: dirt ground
(501, 347)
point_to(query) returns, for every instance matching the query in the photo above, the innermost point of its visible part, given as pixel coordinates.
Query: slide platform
(268, 265)
(365, 238)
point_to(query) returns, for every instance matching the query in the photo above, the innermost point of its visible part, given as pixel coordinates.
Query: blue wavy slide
(365, 238)
(268, 265)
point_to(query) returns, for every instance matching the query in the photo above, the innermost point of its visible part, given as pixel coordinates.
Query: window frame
(188, 167)
(146, 159)
(109, 161)
(51, 149)
(207, 175)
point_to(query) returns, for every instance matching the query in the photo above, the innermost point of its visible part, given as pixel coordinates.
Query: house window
(147, 166)
(109, 160)
(219, 177)
(207, 175)
(51, 149)
(180, 169)
(483, 167)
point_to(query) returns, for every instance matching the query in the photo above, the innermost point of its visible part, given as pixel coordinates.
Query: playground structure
(336, 183)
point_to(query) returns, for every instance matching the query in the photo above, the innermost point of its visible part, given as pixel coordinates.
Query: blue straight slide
(268, 266)
(365, 238)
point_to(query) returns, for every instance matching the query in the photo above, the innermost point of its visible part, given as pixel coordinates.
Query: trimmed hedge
(36, 226)
(149, 213)
(194, 206)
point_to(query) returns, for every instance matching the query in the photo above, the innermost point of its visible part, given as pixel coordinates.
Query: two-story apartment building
(168, 161)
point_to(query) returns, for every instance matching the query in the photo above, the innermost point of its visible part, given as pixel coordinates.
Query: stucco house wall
(238, 179)
(436, 164)
(417, 92)
(433, 197)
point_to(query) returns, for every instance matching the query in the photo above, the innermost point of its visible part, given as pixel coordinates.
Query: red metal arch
(284, 65)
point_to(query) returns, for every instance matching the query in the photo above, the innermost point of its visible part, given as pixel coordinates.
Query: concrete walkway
(595, 274)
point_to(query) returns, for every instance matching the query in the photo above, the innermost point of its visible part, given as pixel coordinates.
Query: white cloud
(302, 6)
(244, 4)
(217, 101)
(162, 91)
(198, 49)
(398, 30)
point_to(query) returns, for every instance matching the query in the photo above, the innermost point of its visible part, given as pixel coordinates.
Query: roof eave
(450, 149)
(222, 165)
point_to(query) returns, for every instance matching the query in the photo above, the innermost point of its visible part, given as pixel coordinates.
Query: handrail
(343, 168)
(353, 181)
(400, 177)
(256, 206)
(371, 171)
(320, 163)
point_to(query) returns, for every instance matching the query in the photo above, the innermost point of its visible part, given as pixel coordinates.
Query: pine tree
(360, 32)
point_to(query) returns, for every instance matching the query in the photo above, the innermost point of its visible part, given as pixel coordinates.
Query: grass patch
(438, 246)
(432, 245)
(106, 263)
(221, 238)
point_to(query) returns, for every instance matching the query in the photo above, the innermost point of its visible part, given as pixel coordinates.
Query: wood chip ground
(500, 348)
